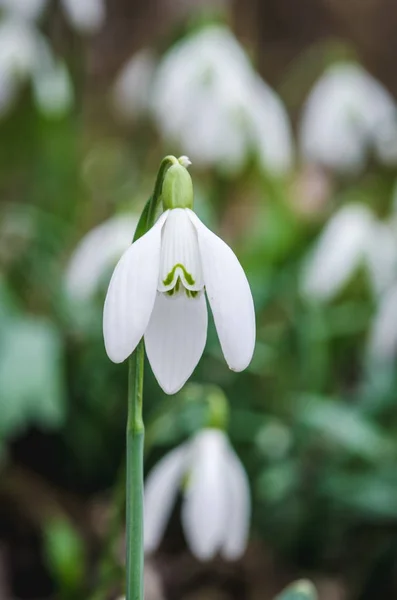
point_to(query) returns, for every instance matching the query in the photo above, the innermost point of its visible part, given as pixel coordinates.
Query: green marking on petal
(175, 290)
(171, 275)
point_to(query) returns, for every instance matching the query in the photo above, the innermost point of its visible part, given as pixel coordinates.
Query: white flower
(216, 499)
(338, 252)
(157, 290)
(97, 253)
(208, 99)
(348, 113)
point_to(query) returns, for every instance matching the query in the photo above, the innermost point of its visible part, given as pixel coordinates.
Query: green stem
(136, 429)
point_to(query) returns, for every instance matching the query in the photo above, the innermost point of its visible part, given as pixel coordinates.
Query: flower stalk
(136, 428)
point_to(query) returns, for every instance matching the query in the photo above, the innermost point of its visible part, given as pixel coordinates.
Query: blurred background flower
(288, 112)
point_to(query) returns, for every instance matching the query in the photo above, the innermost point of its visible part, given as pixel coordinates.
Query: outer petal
(229, 295)
(131, 294)
(161, 489)
(239, 509)
(204, 513)
(176, 337)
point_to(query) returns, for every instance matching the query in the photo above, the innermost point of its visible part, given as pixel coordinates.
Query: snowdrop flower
(216, 499)
(97, 253)
(131, 91)
(158, 290)
(338, 252)
(207, 98)
(347, 113)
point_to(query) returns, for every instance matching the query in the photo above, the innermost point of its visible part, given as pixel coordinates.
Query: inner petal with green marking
(180, 264)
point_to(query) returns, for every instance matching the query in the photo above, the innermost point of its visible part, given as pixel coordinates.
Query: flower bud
(177, 188)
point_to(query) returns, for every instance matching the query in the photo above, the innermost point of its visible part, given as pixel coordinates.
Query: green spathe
(177, 188)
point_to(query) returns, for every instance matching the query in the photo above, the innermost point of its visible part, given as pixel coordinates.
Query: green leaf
(299, 590)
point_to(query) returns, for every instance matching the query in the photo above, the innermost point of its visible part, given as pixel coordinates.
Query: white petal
(179, 246)
(229, 295)
(175, 338)
(239, 509)
(204, 511)
(161, 488)
(97, 252)
(382, 344)
(131, 294)
(337, 253)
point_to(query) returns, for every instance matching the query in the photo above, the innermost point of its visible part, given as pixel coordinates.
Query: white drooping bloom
(216, 499)
(207, 98)
(348, 114)
(97, 253)
(338, 252)
(353, 237)
(158, 290)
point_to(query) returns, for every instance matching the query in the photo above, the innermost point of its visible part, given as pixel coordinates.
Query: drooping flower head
(216, 499)
(347, 114)
(158, 291)
(207, 98)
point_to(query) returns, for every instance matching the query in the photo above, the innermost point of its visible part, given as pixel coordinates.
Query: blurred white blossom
(216, 499)
(97, 253)
(353, 237)
(347, 114)
(131, 91)
(86, 16)
(207, 98)
(337, 253)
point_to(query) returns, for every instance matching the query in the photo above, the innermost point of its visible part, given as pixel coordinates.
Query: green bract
(177, 188)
